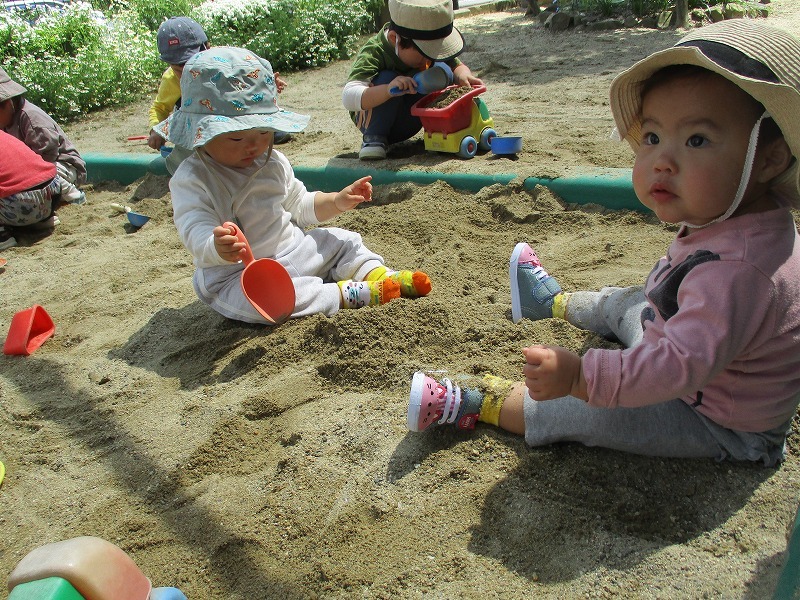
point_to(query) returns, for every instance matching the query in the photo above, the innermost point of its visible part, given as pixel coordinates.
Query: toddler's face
(695, 132)
(239, 149)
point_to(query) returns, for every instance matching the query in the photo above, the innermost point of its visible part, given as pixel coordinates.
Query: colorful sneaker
(532, 288)
(432, 403)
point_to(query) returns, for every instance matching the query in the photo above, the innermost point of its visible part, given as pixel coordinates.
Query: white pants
(69, 191)
(317, 260)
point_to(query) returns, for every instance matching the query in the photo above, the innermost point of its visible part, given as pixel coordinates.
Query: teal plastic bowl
(137, 219)
(506, 145)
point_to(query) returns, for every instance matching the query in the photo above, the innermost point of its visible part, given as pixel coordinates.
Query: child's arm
(553, 372)
(464, 77)
(330, 204)
(227, 245)
(375, 95)
(169, 92)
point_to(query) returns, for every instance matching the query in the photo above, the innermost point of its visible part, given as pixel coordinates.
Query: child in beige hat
(419, 33)
(711, 365)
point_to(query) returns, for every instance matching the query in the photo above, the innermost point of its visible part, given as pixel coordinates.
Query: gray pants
(669, 429)
(318, 259)
(30, 206)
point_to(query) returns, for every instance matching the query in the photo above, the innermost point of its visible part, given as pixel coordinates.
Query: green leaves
(291, 34)
(72, 63)
(80, 60)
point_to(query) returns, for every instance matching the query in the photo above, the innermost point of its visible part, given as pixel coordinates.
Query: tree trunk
(681, 13)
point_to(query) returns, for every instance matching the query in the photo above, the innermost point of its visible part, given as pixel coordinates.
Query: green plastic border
(788, 587)
(611, 188)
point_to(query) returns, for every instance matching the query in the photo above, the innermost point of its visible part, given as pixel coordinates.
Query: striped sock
(413, 284)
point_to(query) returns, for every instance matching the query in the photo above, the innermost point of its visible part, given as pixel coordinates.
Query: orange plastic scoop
(265, 282)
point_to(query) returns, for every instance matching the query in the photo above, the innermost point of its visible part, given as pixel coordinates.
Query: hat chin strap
(746, 172)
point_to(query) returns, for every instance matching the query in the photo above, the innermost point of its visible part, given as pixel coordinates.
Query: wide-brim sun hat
(429, 24)
(763, 61)
(8, 87)
(223, 90)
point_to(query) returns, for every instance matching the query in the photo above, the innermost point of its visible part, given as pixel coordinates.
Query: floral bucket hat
(226, 89)
(763, 61)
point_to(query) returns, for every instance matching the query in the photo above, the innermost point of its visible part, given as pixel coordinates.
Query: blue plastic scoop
(437, 77)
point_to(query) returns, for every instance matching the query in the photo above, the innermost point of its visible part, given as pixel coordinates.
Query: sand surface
(238, 462)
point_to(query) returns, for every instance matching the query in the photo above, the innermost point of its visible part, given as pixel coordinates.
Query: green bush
(71, 63)
(45, 33)
(77, 61)
(151, 12)
(291, 34)
(642, 8)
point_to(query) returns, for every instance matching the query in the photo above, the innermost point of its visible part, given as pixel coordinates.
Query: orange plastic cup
(29, 329)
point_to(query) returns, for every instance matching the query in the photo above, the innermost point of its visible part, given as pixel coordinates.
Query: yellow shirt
(169, 92)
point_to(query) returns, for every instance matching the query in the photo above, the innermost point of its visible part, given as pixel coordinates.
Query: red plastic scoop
(265, 282)
(29, 329)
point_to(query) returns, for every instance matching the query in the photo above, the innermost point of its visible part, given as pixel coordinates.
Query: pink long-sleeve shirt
(721, 329)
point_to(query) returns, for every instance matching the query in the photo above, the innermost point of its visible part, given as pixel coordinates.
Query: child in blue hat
(178, 39)
(229, 117)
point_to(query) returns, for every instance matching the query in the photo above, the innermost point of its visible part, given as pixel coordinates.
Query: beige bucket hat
(762, 60)
(429, 23)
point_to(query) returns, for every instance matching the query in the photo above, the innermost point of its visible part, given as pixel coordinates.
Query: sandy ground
(237, 462)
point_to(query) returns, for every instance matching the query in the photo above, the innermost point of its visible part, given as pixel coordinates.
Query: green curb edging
(611, 188)
(789, 582)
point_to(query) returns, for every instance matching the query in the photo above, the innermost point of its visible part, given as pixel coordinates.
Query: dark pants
(392, 121)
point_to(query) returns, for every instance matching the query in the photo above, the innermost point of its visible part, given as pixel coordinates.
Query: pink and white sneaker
(431, 402)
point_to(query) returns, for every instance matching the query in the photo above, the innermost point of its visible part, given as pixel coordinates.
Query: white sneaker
(372, 151)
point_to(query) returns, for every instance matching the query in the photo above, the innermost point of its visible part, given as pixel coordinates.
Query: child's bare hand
(552, 372)
(405, 85)
(354, 194)
(463, 76)
(154, 140)
(227, 245)
(473, 81)
(279, 83)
